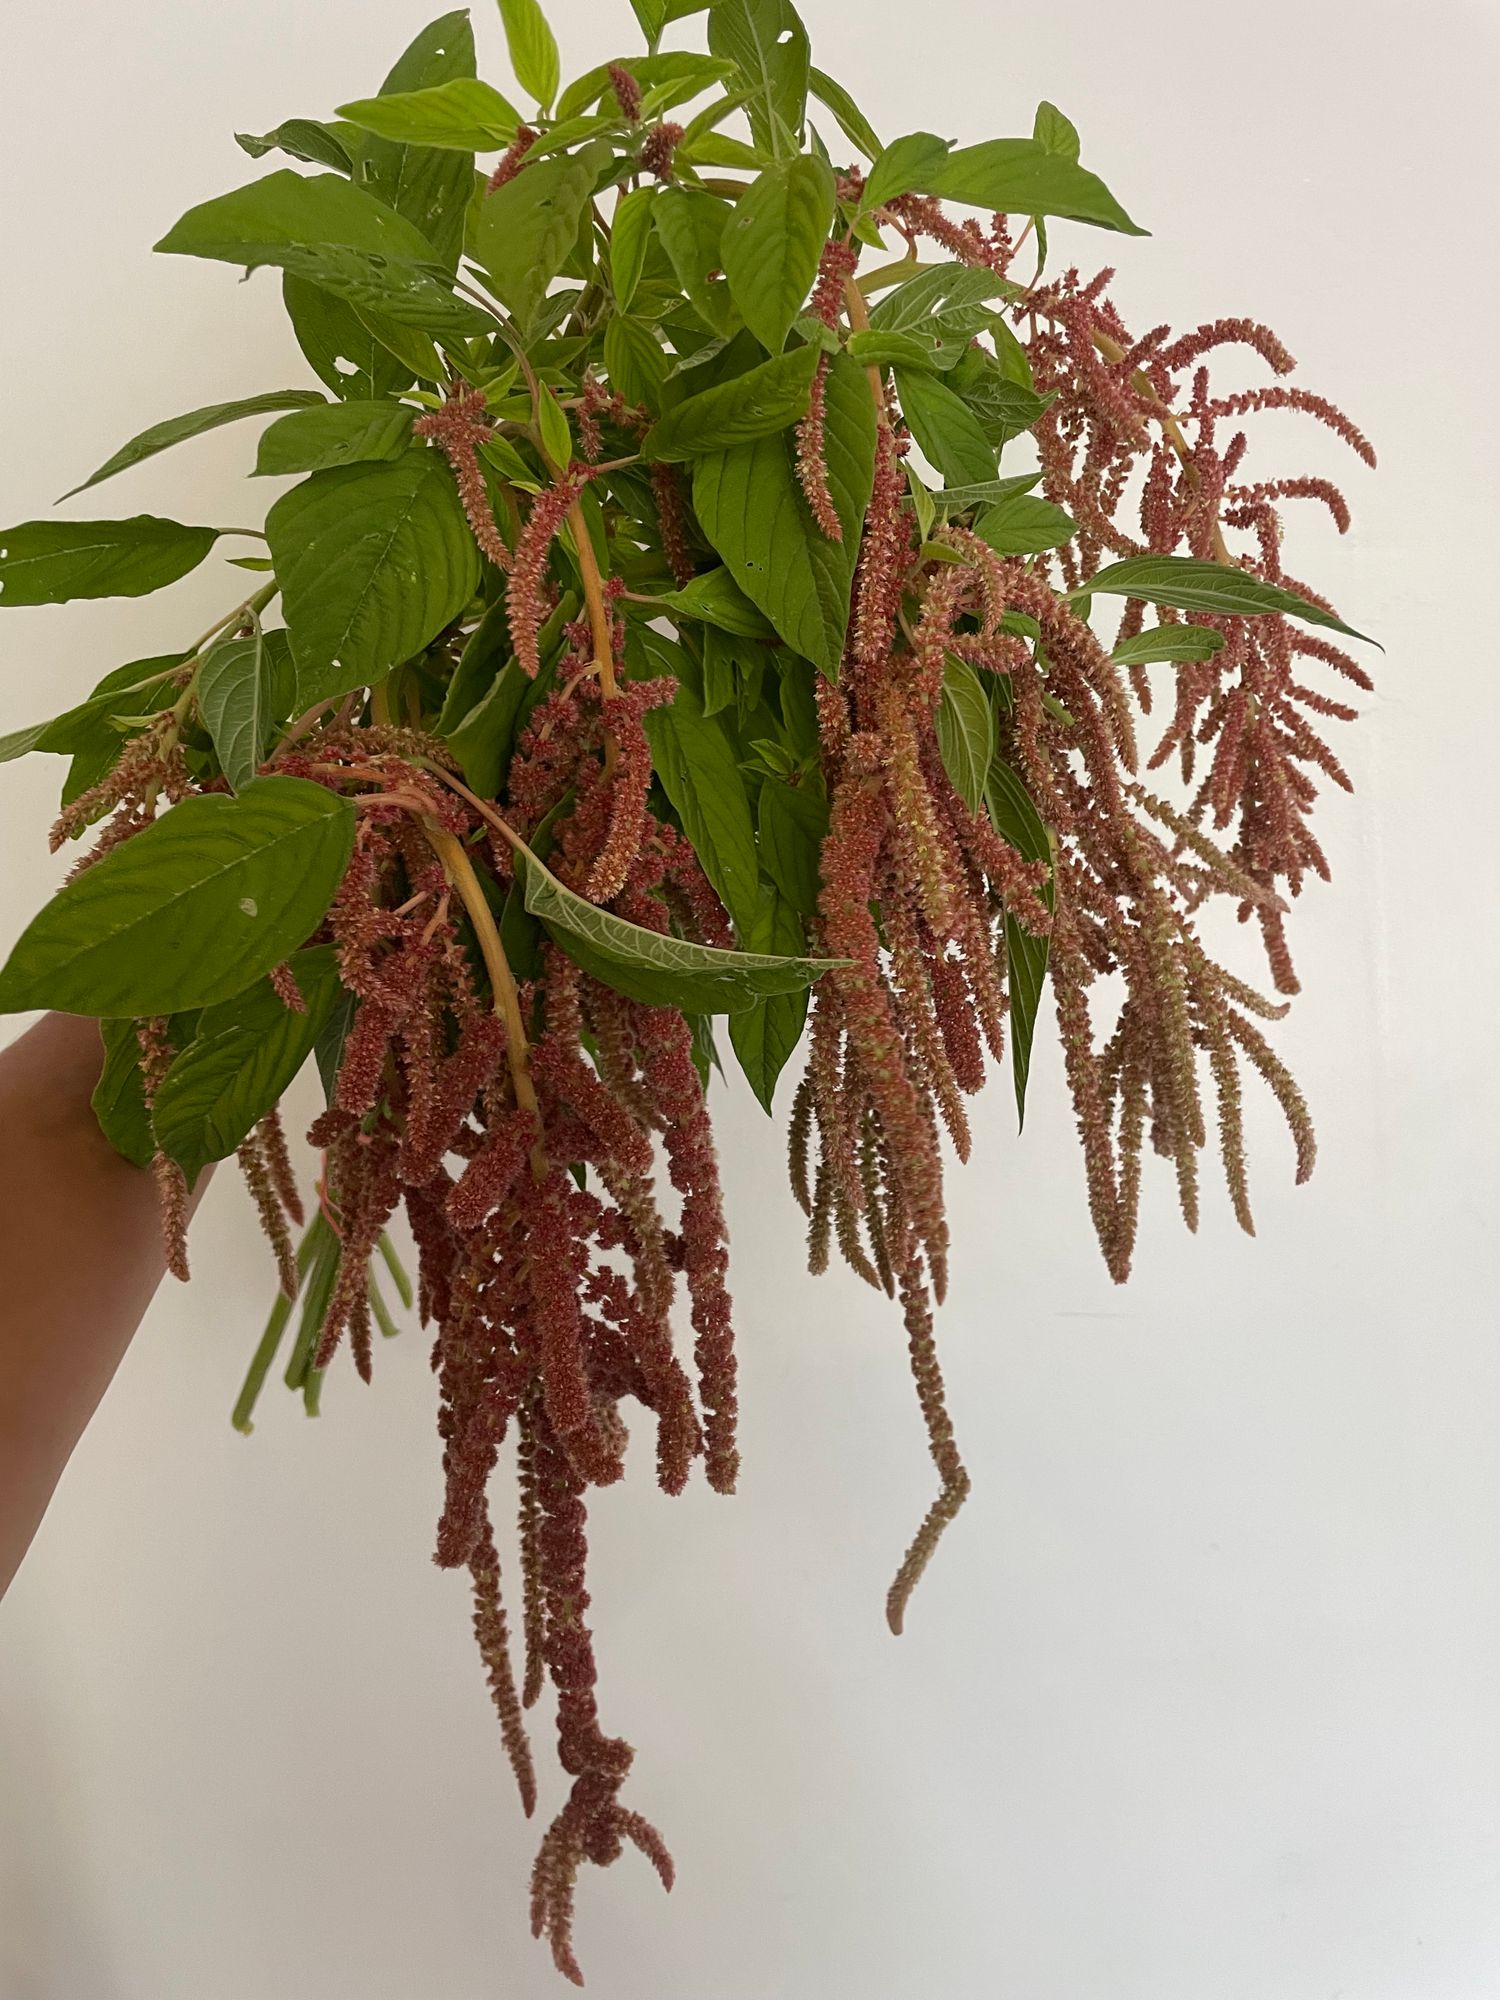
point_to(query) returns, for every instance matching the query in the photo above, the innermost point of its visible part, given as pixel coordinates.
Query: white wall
(1201, 1698)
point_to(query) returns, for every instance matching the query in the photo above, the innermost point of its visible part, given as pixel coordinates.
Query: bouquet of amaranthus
(726, 584)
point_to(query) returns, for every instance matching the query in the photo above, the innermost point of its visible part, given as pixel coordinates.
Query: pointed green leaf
(691, 225)
(714, 598)
(285, 213)
(633, 359)
(1025, 525)
(852, 122)
(1188, 584)
(965, 731)
(431, 186)
(773, 242)
(650, 966)
(946, 429)
(339, 347)
(373, 561)
(986, 493)
(767, 43)
(323, 228)
(244, 1054)
(119, 1099)
(903, 165)
(237, 699)
(699, 772)
(764, 1036)
(1022, 177)
(1017, 820)
(1058, 134)
(939, 294)
(335, 434)
(1168, 642)
(176, 429)
(463, 114)
(203, 901)
(792, 821)
(755, 514)
(51, 562)
(756, 404)
(630, 232)
(557, 439)
(304, 139)
(532, 47)
(21, 742)
(522, 233)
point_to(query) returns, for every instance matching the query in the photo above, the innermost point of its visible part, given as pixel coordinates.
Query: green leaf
(404, 295)
(761, 401)
(463, 114)
(1018, 821)
(946, 429)
(91, 733)
(633, 359)
(431, 186)
(245, 1053)
(1057, 134)
(485, 653)
(792, 820)
(965, 731)
(714, 598)
(1186, 583)
(482, 739)
(21, 742)
(1022, 177)
(305, 139)
(75, 725)
(532, 47)
(699, 772)
(1024, 525)
(773, 242)
(373, 561)
(666, 79)
(189, 912)
(335, 434)
(752, 509)
(767, 43)
(275, 219)
(236, 700)
(650, 966)
(51, 562)
(852, 122)
(1003, 407)
(903, 165)
(522, 233)
(1168, 642)
(176, 429)
(557, 439)
(323, 228)
(919, 300)
(986, 493)
(652, 15)
(119, 1099)
(691, 224)
(764, 1036)
(875, 346)
(630, 232)
(339, 346)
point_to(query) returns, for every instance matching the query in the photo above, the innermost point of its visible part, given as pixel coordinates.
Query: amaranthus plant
(734, 596)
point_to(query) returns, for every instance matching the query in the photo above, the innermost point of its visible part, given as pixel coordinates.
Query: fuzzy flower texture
(543, 1125)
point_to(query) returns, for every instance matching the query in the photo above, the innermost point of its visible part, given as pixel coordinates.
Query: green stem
(270, 1340)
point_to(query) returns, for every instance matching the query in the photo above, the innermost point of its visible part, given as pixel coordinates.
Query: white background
(1202, 1699)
